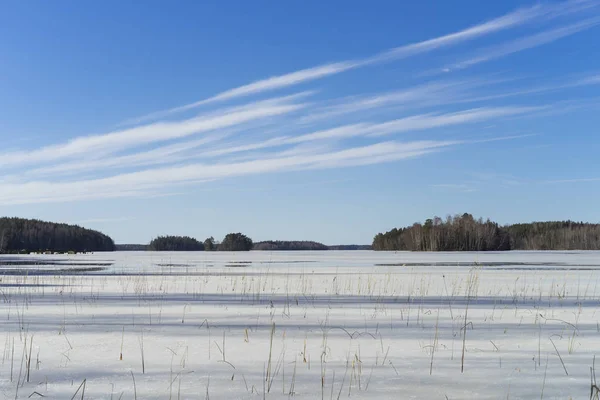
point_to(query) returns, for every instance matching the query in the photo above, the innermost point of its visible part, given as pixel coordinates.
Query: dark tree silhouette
(275, 245)
(209, 244)
(30, 235)
(346, 247)
(558, 235)
(175, 243)
(236, 242)
(131, 247)
(464, 233)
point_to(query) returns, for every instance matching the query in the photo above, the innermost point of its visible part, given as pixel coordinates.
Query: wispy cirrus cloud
(590, 80)
(455, 187)
(573, 180)
(156, 132)
(309, 130)
(430, 121)
(148, 181)
(510, 20)
(162, 155)
(430, 93)
(525, 43)
(414, 123)
(191, 150)
(155, 181)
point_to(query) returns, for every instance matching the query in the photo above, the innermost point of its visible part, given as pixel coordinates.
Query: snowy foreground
(307, 325)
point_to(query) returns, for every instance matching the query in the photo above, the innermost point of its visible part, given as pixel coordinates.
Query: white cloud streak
(282, 133)
(574, 180)
(156, 132)
(527, 43)
(429, 93)
(147, 181)
(155, 181)
(510, 20)
(430, 121)
(161, 155)
(457, 187)
(591, 80)
(193, 149)
(408, 124)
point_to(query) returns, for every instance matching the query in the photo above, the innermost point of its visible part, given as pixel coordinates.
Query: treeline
(555, 235)
(231, 242)
(131, 247)
(234, 242)
(276, 245)
(298, 245)
(464, 233)
(350, 247)
(18, 235)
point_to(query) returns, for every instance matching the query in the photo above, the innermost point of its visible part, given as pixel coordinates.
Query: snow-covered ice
(363, 325)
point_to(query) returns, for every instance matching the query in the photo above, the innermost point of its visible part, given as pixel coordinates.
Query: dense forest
(18, 235)
(464, 233)
(274, 245)
(559, 235)
(175, 243)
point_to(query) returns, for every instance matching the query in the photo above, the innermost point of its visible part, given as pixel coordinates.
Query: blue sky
(329, 121)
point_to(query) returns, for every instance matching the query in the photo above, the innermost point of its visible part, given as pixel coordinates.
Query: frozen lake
(329, 324)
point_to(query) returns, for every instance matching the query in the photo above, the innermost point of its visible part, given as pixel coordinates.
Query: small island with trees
(231, 242)
(175, 243)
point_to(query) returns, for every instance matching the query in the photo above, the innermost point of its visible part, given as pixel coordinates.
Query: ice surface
(354, 324)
